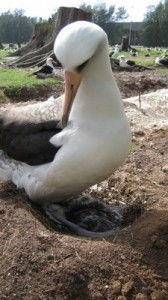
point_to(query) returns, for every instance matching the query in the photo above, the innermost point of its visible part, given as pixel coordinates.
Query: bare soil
(40, 261)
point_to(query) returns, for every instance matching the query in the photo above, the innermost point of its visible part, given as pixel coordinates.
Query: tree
(15, 27)
(154, 30)
(107, 18)
(102, 14)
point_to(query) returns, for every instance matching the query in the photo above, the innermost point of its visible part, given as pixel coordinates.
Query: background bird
(47, 70)
(114, 52)
(161, 61)
(125, 63)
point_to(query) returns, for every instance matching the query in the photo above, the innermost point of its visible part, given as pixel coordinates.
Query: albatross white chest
(96, 134)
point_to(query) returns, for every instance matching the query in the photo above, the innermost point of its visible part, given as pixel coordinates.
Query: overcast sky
(44, 8)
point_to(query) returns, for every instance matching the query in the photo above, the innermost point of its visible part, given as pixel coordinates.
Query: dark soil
(41, 262)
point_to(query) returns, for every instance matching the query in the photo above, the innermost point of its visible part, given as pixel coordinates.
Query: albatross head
(74, 47)
(122, 57)
(49, 62)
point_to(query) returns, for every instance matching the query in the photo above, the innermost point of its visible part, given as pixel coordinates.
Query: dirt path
(39, 261)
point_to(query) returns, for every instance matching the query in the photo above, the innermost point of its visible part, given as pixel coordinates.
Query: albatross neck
(98, 96)
(100, 63)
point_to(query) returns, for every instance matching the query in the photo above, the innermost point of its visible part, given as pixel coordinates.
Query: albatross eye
(79, 68)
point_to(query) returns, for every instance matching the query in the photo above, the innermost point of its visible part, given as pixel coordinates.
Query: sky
(45, 8)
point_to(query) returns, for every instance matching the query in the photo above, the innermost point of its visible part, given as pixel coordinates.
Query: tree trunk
(37, 56)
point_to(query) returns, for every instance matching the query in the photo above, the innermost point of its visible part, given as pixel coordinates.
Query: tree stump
(37, 56)
(125, 43)
(41, 34)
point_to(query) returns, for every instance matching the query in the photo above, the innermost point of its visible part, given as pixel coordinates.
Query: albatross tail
(10, 169)
(7, 167)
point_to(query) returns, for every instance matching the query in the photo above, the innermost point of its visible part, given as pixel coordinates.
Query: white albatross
(161, 61)
(114, 52)
(125, 63)
(46, 70)
(96, 136)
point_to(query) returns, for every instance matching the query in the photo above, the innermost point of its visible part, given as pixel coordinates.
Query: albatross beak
(72, 83)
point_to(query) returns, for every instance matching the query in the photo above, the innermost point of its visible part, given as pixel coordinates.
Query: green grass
(3, 97)
(4, 54)
(133, 148)
(143, 51)
(20, 83)
(21, 77)
(161, 71)
(141, 59)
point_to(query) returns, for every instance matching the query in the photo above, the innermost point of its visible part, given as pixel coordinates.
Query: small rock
(121, 277)
(50, 256)
(127, 287)
(115, 286)
(134, 139)
(164, 285)
(143, 188)
(98, 296)
(139, 133)
(157, 295)
(146, 290)
(157, 242)
(165, 169)
(141, 296)
(121, 298)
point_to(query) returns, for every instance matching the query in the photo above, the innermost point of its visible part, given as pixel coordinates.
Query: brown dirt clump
(41, 261)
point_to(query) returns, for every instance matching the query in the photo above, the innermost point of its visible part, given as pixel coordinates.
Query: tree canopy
(15, 27)
(102, 14)
(154, 30)
(107, 18)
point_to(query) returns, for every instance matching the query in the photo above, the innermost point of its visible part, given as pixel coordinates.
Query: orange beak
(72, 83)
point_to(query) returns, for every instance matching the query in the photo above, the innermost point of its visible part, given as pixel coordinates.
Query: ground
(40, 261)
